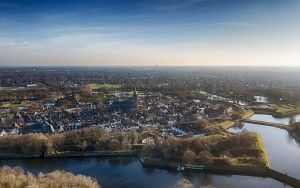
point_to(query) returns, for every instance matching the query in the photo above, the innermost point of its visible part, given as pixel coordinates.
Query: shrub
(24, 144)
(184, 183)
(206, 158)
(17, 178)
(189, 157)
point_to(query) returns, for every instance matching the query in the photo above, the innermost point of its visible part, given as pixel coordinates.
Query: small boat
(180, 168)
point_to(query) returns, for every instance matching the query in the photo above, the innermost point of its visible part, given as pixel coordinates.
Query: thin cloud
(237, 24)
(178, 5)
(193, 45)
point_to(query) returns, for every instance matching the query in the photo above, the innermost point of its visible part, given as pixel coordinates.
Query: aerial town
(198, 119)
(118, 110)
(149, 94)
(57, 100)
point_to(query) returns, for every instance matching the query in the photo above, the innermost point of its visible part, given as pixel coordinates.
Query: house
(9, 132)
(148, 141)
(37, 127)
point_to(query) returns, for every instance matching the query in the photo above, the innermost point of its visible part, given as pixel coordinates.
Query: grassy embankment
(264, 108)
(285, 111)
(248, 161)
(17, 178)
(260, 145)
(229, 123)
(277, 110)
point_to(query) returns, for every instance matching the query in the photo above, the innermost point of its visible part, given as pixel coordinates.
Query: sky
(150, 32)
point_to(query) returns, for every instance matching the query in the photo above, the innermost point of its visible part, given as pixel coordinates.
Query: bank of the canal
(128, 172)
(283, 150)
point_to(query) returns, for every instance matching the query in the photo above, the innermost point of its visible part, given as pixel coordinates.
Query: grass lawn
(260, 145)
(227, 124)
(14, 104)
(247, 113)
(286, 111)
(105, 86)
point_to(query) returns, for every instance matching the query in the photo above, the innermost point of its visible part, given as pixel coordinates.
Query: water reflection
(127, 172)
(283, 151)
(270, 118)
(117, 161)
(219, 98)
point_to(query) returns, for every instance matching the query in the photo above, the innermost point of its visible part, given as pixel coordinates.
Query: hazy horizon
(171, 33)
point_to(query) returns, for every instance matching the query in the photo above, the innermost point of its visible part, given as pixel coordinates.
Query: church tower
(135, 99)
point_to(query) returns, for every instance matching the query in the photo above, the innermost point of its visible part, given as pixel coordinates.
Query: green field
(14, 104)
(227, 124)
(261, 147)
(104, 86)
(247, 113)
(283, 111)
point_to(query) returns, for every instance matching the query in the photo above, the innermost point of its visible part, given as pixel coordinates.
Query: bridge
(266, 123)
(256, 172)
(284, 178)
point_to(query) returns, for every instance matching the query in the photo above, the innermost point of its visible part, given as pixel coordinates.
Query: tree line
(204, 150)
(88, 139)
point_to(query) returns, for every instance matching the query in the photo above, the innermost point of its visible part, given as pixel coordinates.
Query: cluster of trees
(187, 150)
(31, 144)
(202, 149)
(91, 139)
(17, 178)
(203, 124)
(67, 102)
(296, 128)
(88, 139)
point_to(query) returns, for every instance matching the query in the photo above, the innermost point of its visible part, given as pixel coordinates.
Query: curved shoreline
(230, 123)
(264, 172)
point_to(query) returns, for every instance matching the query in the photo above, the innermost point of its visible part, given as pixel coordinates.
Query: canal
(283, 150)
(270, 118)
(127, 172)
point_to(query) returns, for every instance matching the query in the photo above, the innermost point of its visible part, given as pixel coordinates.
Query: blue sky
(146, 32)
